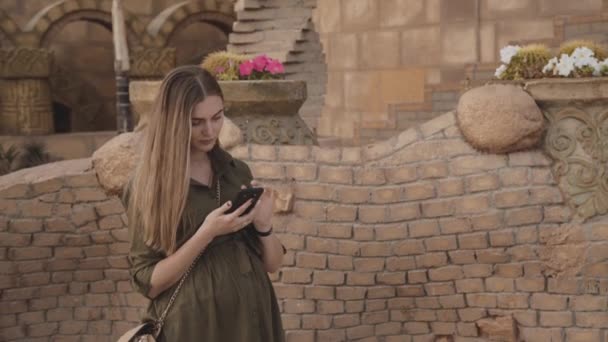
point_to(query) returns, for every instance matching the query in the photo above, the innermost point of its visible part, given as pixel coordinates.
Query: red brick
(442, 243)
(438, 208)
(513, 301)
(353, 194)
(403, 212)
(592, 319)
(496, 284)
(386, 195)
(416, 328)
(317, 245)
(402, 174)
(363, 233)
(294, 322)
(502, 238)
(301, 172)
(446, 273)
(455, 225)
(523, 216)
(384, 329)
(545, 195)
(492, 256)
(443, 328)
(530, 284)
(372, 214)
(288, 291)
(557, 214)
(368, 264)
(330, 307)
(514, 176)
(29, 253)
(410, 291)
(392, 278)
(422, 228)
(375, 249)
(335, 175)
(467, 329)
(427, 303)
(417, 277)
(424, 315)
(431, 170)
(589, 303)
(319, 292)
(489, 221)
(556, 319)
(450, 187)
(484, 182)
(359, 332)
(452, 302)
(334, 230)
(476, 164)
(511, 198)
(371, 176)
(328, 278)
(331, 335)
(509, 270)
(400, 263)
(462, 257)
(316, 321)
(294, 153)
(439, 289)
(471, 314)
(431, 260)
(340, 262)
(401, 303)
(267, 170)
(582, 335)
(472, 204)
(347, 320)
(349, 248)
(380, 292)
(390, 232)
(477, 270)
(296, 276)
(469, 285)
(543, 301)
(481, 300)
(341, 213)
(298, 306)
(311, 260)
(314, 191)
(350, 293)
(473, 241)
(42, 329)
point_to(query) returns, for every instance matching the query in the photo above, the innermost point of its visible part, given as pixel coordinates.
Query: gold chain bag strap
(149, 331)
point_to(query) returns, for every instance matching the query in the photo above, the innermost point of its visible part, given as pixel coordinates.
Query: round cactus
(223, 65)
(528, 62)
(599, 51)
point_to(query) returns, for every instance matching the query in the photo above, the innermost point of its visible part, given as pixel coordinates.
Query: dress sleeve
(143, 258)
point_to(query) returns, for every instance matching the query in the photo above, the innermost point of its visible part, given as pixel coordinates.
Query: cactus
(8, 158)
(223, 65)
(599, 51)
(528, 63)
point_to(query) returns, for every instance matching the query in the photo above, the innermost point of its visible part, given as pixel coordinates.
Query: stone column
(25, 96)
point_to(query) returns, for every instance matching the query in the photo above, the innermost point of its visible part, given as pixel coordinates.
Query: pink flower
(246, 68)
(219, 70)
(260, 62)
(275, 67)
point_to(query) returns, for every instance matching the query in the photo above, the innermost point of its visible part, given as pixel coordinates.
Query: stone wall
(415, 238)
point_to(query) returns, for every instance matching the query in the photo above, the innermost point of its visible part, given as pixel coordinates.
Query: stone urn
(266, 111)
(577, 139)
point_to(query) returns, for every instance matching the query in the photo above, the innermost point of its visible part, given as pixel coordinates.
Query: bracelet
(263, 234)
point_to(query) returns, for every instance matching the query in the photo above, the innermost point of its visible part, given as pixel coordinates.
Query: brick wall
(409, 239)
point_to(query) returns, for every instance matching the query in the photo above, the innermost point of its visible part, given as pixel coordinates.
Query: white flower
(580, 62)
(565, 66)
(500, 70)
(550, 65)
(508, 52)
(582, 53)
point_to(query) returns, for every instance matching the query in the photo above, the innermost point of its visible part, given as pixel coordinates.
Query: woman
(175, 214)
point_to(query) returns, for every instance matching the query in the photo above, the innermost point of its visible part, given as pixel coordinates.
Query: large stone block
(334, 97)
(508, 8)
(401, 12)
(380, 49)
(362, 91)
(404, 85)
(509, 31)
(556, 7)
(420, 46)
(359, 14)
(458, 43)
(457, 10)
(328, 16)
(343, 51)
(487, 42)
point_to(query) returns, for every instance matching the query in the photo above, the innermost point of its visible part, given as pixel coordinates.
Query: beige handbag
(149, 331)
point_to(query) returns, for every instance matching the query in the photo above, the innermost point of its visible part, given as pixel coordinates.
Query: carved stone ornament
(577, 138)
(24, 63)
(152, 62)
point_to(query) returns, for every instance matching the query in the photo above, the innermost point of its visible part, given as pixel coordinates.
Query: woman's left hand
(264, 208)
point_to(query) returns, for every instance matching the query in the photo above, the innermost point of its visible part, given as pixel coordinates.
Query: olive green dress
(228, 296)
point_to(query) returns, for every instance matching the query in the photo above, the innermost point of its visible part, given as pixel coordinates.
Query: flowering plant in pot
(228, 66)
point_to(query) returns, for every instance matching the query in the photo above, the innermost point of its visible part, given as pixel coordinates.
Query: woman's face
(207, 120)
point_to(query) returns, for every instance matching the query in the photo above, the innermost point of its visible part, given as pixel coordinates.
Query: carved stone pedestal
(25, 96)
(577, 138)
(265, 111)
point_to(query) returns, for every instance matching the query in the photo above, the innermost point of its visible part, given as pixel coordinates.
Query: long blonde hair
(159, 186)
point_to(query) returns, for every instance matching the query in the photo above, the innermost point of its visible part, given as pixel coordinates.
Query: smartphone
(243, 196)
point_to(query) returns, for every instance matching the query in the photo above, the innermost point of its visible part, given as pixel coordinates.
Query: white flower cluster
(506, 54)
(582, 57)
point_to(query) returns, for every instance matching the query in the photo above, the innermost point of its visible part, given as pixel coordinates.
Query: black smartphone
(243, 196)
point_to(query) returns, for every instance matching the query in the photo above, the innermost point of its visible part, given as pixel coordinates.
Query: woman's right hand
(219, 223)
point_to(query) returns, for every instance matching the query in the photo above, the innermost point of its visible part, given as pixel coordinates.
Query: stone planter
(265, 111)
(577, 139)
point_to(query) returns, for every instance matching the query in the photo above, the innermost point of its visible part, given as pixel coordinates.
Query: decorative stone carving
(577, 111)
(25, 107)
(24, 63)
(267, 111)
(152, 62)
